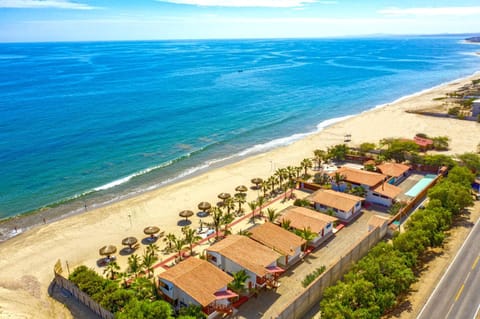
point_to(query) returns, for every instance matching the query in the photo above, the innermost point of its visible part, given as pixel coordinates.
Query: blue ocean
(92, 122)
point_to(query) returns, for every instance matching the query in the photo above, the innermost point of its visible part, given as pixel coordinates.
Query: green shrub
(312, 276)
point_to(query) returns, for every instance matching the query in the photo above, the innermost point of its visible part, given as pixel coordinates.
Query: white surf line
(446, 272)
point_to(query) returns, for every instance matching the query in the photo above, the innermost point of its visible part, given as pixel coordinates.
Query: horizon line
(371, 35)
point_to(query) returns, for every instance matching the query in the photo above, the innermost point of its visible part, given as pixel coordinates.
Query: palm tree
(264, 187)
(319, 156)
(152, 249)
(307, 234)
(226, 220)
(240, 199)
(178, 244)
(238, 282)
(338, 178)
(271, 181)
(148, 260)
(134, 265)
(229, 204)
(144, 289)
(285, 223)
(260, 202)
(253, 206)
(306, 163)
(272, 214)
(298, 170)
(169, 238)
(190, 237)
(111, 270)
(217, 216)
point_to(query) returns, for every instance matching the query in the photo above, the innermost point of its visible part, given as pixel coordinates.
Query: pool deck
(407, 184)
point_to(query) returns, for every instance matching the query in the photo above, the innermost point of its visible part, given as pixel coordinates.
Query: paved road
(458, 293)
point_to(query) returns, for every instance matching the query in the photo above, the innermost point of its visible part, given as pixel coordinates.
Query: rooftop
(377, 221)
(301, 217)
(198, 278)
(246, 252)
(357, 176)
(393, 169)
(338, 200)
(276, 238)
(388, 190)
(422, 141)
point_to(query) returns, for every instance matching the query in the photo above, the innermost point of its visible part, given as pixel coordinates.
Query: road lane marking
(459, 292)
(475, 263)
(476, 313)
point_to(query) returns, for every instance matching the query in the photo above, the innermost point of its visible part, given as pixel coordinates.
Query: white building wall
(377, 199)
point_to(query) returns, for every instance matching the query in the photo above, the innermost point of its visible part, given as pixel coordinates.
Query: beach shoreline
(28, 271)
(16, 225)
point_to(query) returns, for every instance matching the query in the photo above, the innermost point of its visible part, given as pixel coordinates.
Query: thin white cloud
(59, 4)
(245, 3)
(439, 11)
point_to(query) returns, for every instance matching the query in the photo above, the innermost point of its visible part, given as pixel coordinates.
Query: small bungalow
(378, 191)
(378, 221)
(197, 282)
(237, 252)
(476, 108)
(424, 143)
(394, 171)
(301, 217)
(281, 240)
(344, 205)
(476, 184)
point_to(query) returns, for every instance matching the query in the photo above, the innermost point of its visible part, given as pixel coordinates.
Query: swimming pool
(420, 185)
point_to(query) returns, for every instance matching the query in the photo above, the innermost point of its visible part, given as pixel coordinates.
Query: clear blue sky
(72, 20)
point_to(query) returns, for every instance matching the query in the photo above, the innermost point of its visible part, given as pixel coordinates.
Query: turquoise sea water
(93, 122)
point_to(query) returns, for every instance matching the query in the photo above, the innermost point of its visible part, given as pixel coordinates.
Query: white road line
(476, 313)
(449, 266)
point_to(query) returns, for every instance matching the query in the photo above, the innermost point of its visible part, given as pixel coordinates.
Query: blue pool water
(92, 122)
(420, 185)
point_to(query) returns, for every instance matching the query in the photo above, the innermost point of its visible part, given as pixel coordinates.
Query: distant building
(344, 205)
(197, 282)
(237, 252)
(319, 223)
(476, 108)
(281, 240)
(424, 143)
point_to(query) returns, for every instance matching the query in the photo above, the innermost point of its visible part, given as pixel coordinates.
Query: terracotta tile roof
(276, 238)
(357, 176)
(377, 221)
(335, 199)
(388, 190)
(424, 142)
(246, 252)
(198, 278)
(301, 217)
(393, 169)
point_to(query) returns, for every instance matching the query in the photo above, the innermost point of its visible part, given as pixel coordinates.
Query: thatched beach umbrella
(186, 213)
(107, 250)
(129, 241)
(241, 188)
(257, 181)
(204, 206)
(151, 230)
(224, 196)
(240, 195)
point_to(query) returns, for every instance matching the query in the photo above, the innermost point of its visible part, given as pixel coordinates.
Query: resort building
(281, 240)
(378, 190)
(345, 206)
(197, 282)
(394, 171)
(301, 217)
(237, 252)
(378, 221)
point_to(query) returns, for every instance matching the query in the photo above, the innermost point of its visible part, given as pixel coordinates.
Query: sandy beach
(26, 265)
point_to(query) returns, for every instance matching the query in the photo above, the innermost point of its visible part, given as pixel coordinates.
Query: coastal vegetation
(312, 276)
(381, 279)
